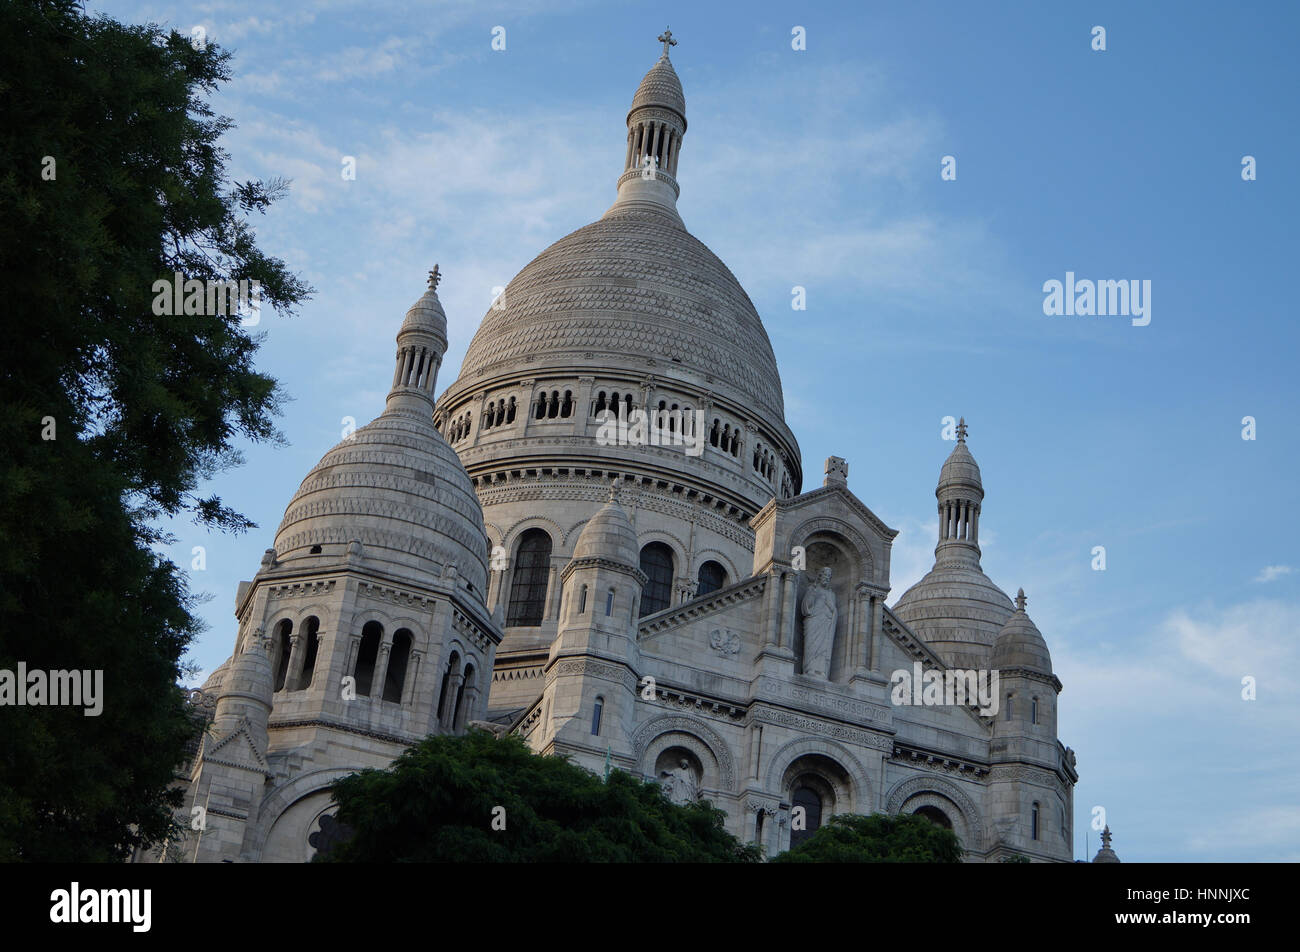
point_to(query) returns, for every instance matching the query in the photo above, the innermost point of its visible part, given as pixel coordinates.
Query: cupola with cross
(656, 123)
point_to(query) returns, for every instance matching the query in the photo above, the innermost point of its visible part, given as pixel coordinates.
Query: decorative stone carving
(820, 614)
(724, 641)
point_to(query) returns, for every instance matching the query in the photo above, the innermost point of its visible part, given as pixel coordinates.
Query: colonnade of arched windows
(293, 660)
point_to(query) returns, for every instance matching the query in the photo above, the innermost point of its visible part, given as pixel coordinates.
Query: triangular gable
(236, 749)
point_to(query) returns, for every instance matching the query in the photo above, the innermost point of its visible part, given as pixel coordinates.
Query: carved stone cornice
(937, 761)
(763, 714)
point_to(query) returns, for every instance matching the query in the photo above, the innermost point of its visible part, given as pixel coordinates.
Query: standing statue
(679, 783)
(819, 617)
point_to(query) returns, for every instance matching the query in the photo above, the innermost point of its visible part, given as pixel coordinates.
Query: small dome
(1020, 644)
(247, 685)
(958, 611)
(608, 535)
(960, 471)
(398, 489)
(661, 87)
(426, 315)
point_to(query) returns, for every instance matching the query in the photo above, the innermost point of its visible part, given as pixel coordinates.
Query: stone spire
(1105, 854)
(656, 124)
(421, 342)
(960, 493)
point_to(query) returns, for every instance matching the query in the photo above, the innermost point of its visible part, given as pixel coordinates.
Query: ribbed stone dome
(1021, 645)
(634, 284)
(608, 535)
(661, 87)
(399, 489)
(958, 611)
(426, 315)
(960, 470)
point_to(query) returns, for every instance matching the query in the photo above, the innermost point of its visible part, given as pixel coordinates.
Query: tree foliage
(112, 179)
(437, 801)
(878, 838)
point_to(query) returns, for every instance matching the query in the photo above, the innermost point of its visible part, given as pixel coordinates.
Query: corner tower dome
(608, 535)
(1020, 644)
(395, 486)
(955, 608)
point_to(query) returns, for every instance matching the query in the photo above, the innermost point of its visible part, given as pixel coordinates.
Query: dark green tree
(111, 178)
(438, 801)
(878, 838)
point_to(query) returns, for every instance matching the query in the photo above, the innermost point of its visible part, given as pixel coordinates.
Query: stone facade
(604, 512)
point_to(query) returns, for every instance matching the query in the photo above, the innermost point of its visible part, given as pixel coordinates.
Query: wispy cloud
(1273, 572)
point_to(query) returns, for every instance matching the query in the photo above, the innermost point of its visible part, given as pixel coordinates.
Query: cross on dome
(666, 38)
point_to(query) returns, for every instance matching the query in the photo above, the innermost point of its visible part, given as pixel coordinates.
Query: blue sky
(820, 168)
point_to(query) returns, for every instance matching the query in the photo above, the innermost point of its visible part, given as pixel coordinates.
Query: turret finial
(1021, 600)
(666, 38)
(1105, 837)
(434, 277)
(961, 430)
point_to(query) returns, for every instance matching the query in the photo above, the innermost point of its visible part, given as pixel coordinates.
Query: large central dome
(633, 285)
(626, 351)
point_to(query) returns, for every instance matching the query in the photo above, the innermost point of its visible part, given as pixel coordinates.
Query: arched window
(528, 586)
(364, 671)
(311, 629)
(1033, 822)
(657, 563)
(582, 601)
(596, 715)
(1010, 698)
(711, 578)
(1033, 710)
(397, 661)
(811, 802)
(280, 648)
(609, 602)
(566, 407)
(510, 411)
(935, 816)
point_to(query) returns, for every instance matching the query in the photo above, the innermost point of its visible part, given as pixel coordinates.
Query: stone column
(526, 404)
(772, 612)
(583, 409)
(789, 611)
(296, 656)
(549, 612)
(447, 703)
(412, 677)
(877, 631)
(381, 667)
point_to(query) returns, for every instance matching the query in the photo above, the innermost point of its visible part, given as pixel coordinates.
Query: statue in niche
(819, 616)
(679, 783)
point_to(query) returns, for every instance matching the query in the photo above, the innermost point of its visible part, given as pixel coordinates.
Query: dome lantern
(656, 123)
(421, 342)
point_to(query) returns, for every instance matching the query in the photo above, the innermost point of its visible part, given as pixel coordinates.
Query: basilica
(515, 555)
